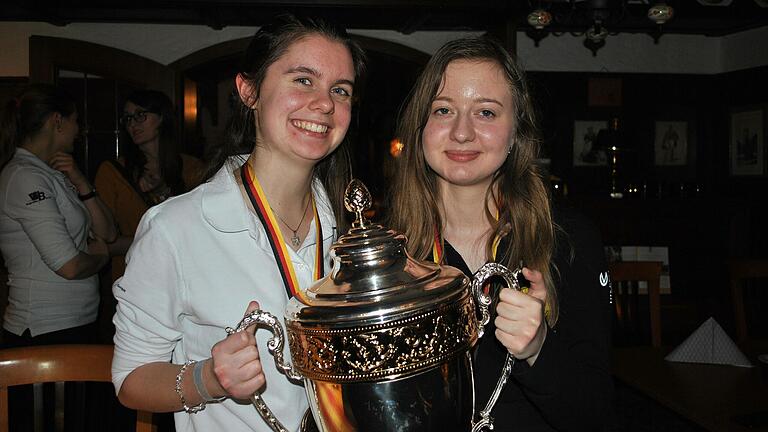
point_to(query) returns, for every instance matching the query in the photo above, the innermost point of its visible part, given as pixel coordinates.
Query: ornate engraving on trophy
(367, 352)
(384, 351)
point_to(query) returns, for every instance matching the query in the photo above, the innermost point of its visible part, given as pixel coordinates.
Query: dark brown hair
(24, 115)
(169, 155)
(268, 45)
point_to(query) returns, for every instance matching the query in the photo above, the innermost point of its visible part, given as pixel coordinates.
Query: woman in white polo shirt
(257, 231)
(53, 226)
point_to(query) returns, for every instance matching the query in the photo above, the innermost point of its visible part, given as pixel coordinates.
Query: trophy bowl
(384, 341)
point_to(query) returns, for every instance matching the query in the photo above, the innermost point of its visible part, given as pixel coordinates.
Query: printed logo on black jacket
(36, 197)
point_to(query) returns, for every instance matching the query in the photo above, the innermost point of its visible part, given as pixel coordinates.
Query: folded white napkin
(709, 344)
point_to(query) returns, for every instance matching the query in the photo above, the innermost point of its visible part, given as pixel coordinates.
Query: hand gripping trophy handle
(484, 301)
(275, 346)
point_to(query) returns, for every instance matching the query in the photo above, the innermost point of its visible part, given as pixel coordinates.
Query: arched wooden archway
(392, 69)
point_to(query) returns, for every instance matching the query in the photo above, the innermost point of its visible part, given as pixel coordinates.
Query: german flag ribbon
(438, 247)
(331, 404)
(438, 251)
(276, 241)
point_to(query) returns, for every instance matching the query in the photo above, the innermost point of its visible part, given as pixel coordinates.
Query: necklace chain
(295, 238)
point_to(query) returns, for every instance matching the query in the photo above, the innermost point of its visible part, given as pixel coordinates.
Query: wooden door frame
(47, 55)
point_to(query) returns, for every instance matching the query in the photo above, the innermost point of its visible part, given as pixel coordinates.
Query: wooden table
(715, 397)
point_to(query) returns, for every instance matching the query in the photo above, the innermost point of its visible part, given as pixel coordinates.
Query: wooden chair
(627, 274)
(739, 271)
(58, 363)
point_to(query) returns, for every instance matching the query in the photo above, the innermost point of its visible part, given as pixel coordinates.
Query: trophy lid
(373, 279)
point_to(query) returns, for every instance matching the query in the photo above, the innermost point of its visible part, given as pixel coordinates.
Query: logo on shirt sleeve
(36, 197)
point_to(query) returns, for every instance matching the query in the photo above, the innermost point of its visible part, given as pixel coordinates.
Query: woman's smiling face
(471, 124)
(304, 104)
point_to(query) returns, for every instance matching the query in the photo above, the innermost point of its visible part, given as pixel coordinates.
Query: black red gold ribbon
(438, 250)
(438, 247)
(276, 241)
(331, 401)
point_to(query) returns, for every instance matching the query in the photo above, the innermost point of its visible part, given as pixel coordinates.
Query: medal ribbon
(279, 248)
(438, 248)
(438, 251)
(331, 404)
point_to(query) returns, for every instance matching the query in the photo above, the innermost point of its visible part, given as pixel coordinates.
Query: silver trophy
(384, 342)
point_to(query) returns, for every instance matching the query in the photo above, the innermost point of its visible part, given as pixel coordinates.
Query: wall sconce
(396, 147)
(190, 102)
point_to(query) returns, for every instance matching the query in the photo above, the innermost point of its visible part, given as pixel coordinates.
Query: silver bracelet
(197, 375)
(189, 409)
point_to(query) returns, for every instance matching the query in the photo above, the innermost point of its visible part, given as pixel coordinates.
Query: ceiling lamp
(597, 33)
(595, 37)
(660, 13)
(396, 147)
(539, 19)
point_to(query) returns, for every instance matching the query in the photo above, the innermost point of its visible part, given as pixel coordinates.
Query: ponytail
(24, 115)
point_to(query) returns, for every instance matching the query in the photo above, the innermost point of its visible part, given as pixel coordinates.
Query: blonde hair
(523, 200)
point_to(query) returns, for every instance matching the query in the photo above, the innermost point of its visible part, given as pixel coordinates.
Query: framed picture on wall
(671, 143)
(585, 149)
(747, 142)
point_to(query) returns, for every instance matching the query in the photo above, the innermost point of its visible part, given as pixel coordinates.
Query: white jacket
(196, 262)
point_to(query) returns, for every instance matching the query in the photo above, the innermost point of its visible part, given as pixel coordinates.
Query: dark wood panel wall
(699, 210)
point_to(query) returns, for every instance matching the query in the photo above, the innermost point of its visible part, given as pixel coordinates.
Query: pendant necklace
(295, 238)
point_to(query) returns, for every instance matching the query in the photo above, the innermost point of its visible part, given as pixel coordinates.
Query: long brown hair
(525, 214)
(268, 45)
(169, 153)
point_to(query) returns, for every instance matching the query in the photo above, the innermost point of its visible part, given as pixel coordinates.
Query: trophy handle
(484, 301)
(275, 346)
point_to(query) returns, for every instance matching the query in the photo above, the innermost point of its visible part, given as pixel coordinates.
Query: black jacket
(569, 388)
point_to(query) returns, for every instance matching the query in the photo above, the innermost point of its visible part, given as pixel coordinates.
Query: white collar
(224, 208)
(32, 158)
(222, 204)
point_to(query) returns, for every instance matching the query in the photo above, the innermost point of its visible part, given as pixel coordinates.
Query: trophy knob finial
(357, 199)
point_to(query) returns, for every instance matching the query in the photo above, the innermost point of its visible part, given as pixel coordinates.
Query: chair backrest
(740, 270)
(626, 300)
(58, 363)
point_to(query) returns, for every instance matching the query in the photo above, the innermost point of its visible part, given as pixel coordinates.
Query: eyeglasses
(136, 117)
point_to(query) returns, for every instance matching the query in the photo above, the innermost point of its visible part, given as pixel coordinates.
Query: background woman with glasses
(149, 169)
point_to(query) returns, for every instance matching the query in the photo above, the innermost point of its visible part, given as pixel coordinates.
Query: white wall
(161, 43)
(745, 50)
(635, 53)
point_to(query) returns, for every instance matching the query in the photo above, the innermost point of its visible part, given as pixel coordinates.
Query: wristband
(197, 376)
(89, 195)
